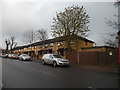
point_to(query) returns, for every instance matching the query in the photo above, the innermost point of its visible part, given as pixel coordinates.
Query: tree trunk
(68, 39)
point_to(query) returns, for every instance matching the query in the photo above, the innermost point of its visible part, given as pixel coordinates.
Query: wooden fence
(93, 58)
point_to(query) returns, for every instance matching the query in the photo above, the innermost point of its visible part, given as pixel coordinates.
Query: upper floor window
(60, 43)
(72, 42)
(51, 44)
(34, 47)
(40, 52)
(46, 45)
(30, 47)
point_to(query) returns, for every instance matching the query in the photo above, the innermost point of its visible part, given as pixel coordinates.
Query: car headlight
(60, 61)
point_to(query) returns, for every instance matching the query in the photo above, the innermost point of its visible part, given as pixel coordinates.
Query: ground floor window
(61, 51)
(40, 52)
(31, 52)
(25, 52)
(48, 51)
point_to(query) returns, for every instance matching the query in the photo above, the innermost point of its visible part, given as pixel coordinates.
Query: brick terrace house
(55, 45)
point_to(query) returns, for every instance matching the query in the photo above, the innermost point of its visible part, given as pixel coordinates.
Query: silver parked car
(54, 59)
(24, 57)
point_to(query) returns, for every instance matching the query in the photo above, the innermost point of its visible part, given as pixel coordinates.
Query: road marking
(93, 88)
(49, 74)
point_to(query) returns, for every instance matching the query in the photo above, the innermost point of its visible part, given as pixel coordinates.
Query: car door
(51, 59)
(46, 58)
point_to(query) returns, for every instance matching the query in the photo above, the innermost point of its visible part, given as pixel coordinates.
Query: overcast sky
(16, 17)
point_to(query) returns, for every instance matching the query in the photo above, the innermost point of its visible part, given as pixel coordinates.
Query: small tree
(72, 21)
(113, 41)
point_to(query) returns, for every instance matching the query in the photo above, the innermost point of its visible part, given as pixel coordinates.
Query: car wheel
(43, 62)
(54, 64)
(21, 59)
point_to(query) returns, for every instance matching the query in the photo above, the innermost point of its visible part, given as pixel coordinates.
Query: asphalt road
(29, 74)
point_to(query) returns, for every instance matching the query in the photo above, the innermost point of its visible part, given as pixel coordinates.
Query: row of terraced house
(58, 46)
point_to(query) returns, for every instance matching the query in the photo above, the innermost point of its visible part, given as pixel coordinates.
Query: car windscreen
(57, 56)
(25, 55)
(15, 55)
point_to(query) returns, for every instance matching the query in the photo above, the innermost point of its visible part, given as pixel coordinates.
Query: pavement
(96, 68)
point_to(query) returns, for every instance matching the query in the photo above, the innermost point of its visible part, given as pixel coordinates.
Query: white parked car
(54, 59)
(9, 55)
(4, 55)
(24, 57)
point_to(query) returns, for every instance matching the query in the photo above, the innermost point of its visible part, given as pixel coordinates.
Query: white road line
(47, 73)
(92, 88)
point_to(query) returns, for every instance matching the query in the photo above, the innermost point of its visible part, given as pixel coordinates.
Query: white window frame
(60, 43)
(51, 44)
(72, 42)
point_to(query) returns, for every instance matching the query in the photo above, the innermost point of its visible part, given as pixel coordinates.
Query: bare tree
(7, 42)
(29, 36)
(12, 43)
(42, 34)
(117, 3)
(113, 41)
(73, 20)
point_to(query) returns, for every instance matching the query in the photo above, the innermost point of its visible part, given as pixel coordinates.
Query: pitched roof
(57, 39)
(97, 47)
